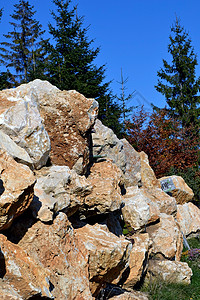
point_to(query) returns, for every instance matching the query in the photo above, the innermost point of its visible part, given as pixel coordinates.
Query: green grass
(158, 290)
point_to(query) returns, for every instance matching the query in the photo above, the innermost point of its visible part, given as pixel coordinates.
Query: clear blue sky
(133, 35)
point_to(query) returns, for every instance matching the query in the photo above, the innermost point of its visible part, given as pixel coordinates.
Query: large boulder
(68, 117)
(20, 119)
(21, 273)
(59, 189)
(188, 217)
(138, 261)
(107, 181)
(16, 189)
(56, 248)
(108, 254)
(106, 145)
(177, 187)
(169, 271)
(167, 239)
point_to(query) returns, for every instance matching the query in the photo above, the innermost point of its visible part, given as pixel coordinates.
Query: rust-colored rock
(57, 249)
(108, 254)
(106, 179)
(21, 272)
(16, 189)
(179, 189)
(167, 239)
(188, 217)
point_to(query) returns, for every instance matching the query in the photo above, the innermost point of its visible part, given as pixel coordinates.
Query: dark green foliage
(22, 51)
(71, 62)
(177, 80)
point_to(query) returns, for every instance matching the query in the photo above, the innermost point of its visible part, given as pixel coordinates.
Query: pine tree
(124, 99)
(71, 62)
(177, 80)
(21, 53)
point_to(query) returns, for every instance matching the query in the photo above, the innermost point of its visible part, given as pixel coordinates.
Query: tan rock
(136, 211)
(169, 271)
(58, 250)
(188, 217)
(133, 165)
(68, 117)
(7, 292)
(167, 240)
(108, 254)
(106, 179)
(138, 259)
(16, 189)
(59, 189)
(106, 145)
(178, 188)
(157, 197)
(19, 271)
(148, 176)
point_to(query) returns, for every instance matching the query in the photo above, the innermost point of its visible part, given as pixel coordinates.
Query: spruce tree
(22, 51)
(177, 81)
(71, 62)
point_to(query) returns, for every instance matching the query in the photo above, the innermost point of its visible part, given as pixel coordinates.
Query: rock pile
(68, 187)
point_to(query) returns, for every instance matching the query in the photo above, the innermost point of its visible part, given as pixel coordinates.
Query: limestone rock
(106, 179)
(169, 271)
(148, 176)
(21, 121)
(59, 189)
(57, 249)
(136, 211)
(133, 165)
(16, 189)
(108, 254)
(68, 117)
(19, 271)
(18, 153)
(158, 198)
(107, 145)
(167, 240)
(188, 217)
(138, 260)
(179, 188)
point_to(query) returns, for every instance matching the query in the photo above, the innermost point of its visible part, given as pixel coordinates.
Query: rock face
(16, 192)
(169, 271)
(178, 188)
(21, 121)
(107, 145)
(167, 238)
(106, 179)
(188, 217)
(108, 254)
(58, 250)
(22, 273)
